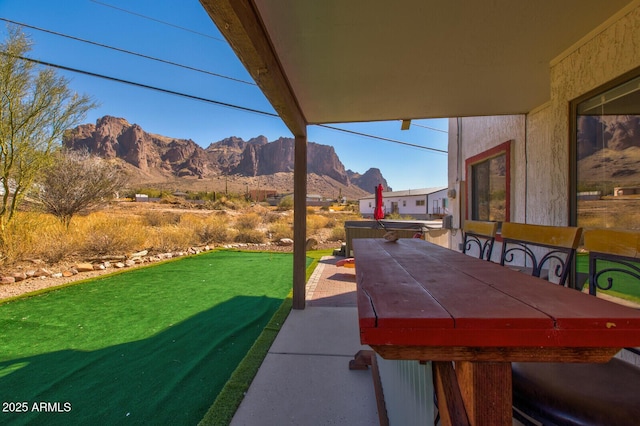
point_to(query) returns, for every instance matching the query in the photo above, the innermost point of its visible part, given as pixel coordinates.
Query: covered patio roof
(347, 61)
(334, 61)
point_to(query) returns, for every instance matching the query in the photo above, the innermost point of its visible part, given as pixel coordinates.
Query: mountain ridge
(161, 160)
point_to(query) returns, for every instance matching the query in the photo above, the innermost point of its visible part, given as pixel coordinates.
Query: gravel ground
(34, 284)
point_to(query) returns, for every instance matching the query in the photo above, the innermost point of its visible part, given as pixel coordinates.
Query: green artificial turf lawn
(229, 399)
(154, 345)
(624, 286)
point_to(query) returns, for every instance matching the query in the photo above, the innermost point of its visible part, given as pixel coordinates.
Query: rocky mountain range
(155, 159)
(608, 149)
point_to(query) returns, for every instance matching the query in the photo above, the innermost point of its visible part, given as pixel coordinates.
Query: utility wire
(211, 101)
(381, 138)
(129, 52)
(430, 128)
(146, 86)
(157, 20)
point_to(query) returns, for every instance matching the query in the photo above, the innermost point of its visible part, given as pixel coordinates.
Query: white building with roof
(425, 203)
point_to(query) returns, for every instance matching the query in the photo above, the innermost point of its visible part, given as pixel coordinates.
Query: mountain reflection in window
(608, 158)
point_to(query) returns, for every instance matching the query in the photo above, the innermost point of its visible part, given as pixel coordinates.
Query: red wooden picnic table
(420, 301)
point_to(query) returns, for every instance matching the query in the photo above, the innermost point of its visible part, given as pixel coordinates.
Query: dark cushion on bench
(578, 394)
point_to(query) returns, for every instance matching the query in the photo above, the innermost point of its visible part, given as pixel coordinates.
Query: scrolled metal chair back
(480, 234)
(613, 258)
(541, 246)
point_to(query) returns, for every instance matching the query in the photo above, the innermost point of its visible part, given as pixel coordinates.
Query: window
(606, 157)
(404, 203)
(420, 202)
(489, 184)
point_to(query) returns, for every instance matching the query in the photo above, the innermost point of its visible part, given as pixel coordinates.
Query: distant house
(317, 200)
(626, 190)
(261, 194)
(144, 198)
(424, 204)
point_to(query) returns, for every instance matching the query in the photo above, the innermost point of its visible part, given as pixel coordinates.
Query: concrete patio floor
(305, 377)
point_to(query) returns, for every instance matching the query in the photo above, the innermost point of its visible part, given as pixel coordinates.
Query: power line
(146, 86)
(211, 101)
(129, 52)
(158, 20)
(381, 138)
(430, 128)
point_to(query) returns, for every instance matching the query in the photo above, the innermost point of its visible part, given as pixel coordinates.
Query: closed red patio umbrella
(378, 213)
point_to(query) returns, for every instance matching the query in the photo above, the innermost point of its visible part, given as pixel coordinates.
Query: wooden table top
(414, 293)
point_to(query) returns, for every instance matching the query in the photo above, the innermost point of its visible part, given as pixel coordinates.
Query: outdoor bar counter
(420, 301)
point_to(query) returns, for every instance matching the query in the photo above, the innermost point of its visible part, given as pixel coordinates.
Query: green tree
(76, 181)
(36, 108)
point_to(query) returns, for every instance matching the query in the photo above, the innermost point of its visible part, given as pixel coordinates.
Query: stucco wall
(612, 51)
(479, 134)
(540, 161)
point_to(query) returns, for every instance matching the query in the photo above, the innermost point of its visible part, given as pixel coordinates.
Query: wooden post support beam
(299, 222)
(450, 404)
(361, 360)
(240, 23)
(493, 406)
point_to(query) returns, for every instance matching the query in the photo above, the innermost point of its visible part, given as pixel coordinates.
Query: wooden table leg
(450, 404)
(486, 391)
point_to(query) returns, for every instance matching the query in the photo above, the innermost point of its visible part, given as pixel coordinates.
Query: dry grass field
(125, 227)
(610, 212)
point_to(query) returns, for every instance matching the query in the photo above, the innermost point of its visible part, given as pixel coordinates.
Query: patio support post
(299, 222)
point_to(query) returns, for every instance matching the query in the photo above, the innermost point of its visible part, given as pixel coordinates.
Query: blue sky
(180, 31)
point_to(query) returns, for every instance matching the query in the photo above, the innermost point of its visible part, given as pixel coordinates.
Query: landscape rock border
(40, 276)
(37, 278)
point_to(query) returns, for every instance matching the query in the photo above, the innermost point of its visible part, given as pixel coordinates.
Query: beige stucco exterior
(540, 149)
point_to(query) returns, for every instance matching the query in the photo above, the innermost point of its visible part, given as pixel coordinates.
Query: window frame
(496, 151)
(573, 137)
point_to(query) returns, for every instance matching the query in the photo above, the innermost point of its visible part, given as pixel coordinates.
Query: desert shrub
(286, 203)
(170, 237)
(230, 202)
(26, 235)
(250, 236)
(280, 229)
(213, 232)
(160, 218)
(337, 234)
(99, 234)
(271, 217)
(355, 208)
(332, 222)
(224, 203)
(398, 216)
(316, 222)
(56, 244)
(201, 195)
(248, 221)
(206, 229)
